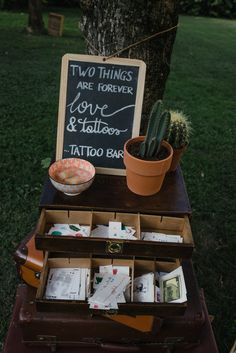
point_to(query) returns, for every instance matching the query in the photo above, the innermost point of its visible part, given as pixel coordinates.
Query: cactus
(179, 131)
(158, 125)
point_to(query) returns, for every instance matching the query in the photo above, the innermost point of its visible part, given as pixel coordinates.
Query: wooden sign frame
(141, 67)
(56, 32)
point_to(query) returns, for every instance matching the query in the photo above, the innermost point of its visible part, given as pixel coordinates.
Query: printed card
(144, 288)
(100, 231)
(74, 230)
(166, 238)
(110, 288)
(172, 286)
(67, 283)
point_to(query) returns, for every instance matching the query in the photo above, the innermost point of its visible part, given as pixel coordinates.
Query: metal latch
(114, 247)
(170, 343)
(49, 340)
(37, 275)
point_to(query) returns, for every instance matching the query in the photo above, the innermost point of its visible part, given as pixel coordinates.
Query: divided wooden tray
(141, 223)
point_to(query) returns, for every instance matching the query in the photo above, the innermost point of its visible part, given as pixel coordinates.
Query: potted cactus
(148, 158)
(178, 136)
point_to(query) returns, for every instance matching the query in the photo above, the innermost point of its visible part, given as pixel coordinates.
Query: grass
(201, 83)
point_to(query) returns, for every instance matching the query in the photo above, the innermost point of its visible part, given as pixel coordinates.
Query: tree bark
(35, 20)
(109, 26)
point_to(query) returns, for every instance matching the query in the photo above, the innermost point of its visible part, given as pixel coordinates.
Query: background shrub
(23, 4)
(211, 8)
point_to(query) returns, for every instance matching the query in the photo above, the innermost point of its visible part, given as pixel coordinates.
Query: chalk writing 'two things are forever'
(93, 122)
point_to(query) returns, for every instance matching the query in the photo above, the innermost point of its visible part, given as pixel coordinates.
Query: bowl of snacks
(71, 175)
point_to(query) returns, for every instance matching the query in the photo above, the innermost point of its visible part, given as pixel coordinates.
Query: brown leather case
(14, 340)
(29, 260)
(57, 328)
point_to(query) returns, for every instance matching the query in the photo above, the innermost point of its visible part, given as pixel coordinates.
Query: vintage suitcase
(29, 260)
(71, 328)
(15, 342)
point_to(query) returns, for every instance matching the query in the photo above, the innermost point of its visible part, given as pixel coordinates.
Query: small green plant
(158, 125)
(45, 163)
(179, 131)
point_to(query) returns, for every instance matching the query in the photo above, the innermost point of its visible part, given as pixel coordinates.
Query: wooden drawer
(137, 266)
(100, 245)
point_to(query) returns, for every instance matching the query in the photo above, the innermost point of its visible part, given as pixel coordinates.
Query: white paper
(114, 229)
(172, 285)
(120, 270)
(161, 237)
(74, 230)
(106, 269)
(67, 283)
(111, 287)
(63, 283)
(144, 288)
(100, 231)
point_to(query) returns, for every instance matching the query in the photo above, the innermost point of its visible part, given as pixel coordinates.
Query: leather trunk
(29, 260)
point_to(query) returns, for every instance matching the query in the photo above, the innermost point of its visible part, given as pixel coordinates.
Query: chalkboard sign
(99, 109)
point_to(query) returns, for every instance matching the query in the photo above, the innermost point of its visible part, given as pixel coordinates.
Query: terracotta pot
(177, 154)
(145, 177)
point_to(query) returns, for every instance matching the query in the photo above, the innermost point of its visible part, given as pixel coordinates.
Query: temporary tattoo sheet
(67, 283)
(74, 230)
(144, 288)
(165, 238)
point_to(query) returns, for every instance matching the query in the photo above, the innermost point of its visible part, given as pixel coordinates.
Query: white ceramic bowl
(71, 175)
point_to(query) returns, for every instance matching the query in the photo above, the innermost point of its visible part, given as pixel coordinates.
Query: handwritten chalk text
(96, 126)
(83, 106)
(112, 73)
(90, 151)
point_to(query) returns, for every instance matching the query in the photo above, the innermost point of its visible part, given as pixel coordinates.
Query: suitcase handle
(125, 348)
(119, 347)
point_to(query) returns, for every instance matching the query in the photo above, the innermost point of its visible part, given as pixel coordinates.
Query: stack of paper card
(172, 287)
(167, 238)
(110, 285)
(143, 289)
(68, 284)
(115, 230)
(72, 230)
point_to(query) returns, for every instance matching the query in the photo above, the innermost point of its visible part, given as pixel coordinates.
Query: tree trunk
(35, 21)
(109, 26)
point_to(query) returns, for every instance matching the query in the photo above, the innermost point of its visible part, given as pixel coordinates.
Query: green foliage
(179, 131)
(45, 163)
(212, 8)
(159, 121)
(201, 84)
